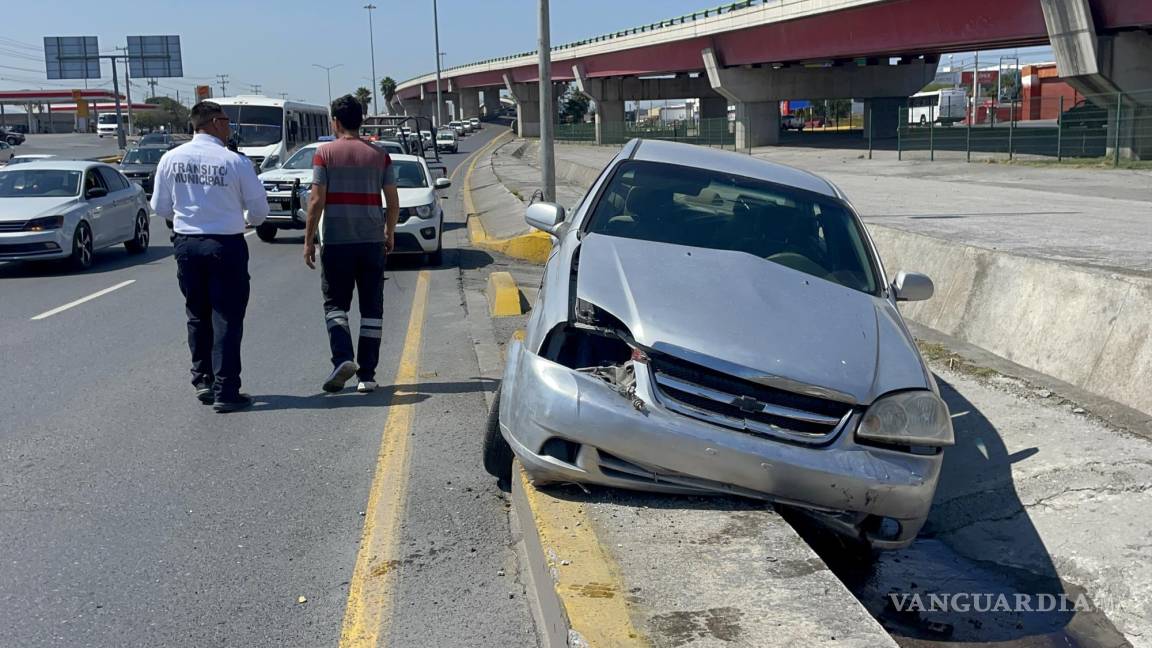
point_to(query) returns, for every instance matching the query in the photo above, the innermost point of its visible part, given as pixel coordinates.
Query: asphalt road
(132, 515)
(80, 146)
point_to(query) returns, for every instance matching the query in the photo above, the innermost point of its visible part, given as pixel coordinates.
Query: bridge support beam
(1101, 67)
(527, 98)
(760, 85)
(491, 102)
(469, 104)
(882, 116)
(611, 93)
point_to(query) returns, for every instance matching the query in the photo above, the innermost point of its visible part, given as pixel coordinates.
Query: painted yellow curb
(110, 159)
(586, 580)
(503, 295)
(533, 247)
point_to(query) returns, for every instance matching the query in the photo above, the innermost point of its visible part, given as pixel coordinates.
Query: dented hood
(738, 313)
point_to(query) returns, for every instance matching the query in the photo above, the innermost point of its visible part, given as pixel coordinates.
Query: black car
(139, 164)
(1085, 115)
(156, 139)
(12, 136)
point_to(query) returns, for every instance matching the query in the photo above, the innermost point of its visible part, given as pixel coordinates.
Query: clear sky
(273, 43)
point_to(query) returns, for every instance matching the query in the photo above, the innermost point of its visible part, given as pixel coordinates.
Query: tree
(364, 96)
(170, 114)
(574, 107)
(388, 90)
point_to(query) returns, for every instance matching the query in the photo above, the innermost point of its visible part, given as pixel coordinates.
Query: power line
(255, 87)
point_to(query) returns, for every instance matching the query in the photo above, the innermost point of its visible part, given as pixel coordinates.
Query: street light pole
(372, 45)
(328, 70)
(547, 152)
(436, 35)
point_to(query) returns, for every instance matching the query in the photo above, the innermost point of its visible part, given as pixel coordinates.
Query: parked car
(710, 322)
(392, 146)
(286, 187)
(458, 127)
(427, 139)
(12, 136)
(447, 140)
(139, 164)
(792, 122)
(1085, 115)
(31, 157)
(6, 152)
(68, 210)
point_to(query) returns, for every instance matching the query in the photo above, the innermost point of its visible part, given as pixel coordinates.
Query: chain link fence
(718, 132)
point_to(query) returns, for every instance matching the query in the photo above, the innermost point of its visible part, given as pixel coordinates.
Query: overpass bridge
(756, 53)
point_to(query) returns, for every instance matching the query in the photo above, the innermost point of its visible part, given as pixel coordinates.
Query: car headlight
(423, 211)
(44, 224)
(915, 418)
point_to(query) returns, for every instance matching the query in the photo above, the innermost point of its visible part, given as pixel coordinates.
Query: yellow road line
(370, 592)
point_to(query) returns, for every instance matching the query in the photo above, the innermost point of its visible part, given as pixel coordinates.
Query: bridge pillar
(469, 104)
(1101, 67)
(713, 108)
(757, 111)
(527, 98)
(882, 116)
(491, 102)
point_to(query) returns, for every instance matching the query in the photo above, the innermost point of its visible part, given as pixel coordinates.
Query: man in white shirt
(204, 189)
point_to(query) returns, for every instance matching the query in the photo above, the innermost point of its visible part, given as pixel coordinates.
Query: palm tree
(364, 96)
(388, 90)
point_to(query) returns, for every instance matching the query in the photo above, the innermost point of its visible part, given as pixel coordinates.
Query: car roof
(405, 158)
(63, 165)
(732, 162)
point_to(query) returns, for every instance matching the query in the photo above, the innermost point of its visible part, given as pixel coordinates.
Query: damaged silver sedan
(713, 323)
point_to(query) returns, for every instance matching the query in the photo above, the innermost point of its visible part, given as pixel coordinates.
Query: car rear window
(681, 205)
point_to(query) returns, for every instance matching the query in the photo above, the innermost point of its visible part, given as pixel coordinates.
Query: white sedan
(67, 210)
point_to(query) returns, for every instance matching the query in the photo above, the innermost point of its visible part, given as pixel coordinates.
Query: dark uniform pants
(213, 274)
(345, 267)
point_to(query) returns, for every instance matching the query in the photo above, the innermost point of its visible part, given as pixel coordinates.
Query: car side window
(92, 181)
(112, 179)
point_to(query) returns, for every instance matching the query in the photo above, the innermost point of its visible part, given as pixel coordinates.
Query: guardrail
(660, 24)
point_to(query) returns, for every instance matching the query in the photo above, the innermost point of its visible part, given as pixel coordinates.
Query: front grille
(406, 242)
(722, 399)
(13, 226)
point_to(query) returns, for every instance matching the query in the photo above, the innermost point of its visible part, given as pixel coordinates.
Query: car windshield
(143, 156)
(256, 125)
(39, 183)
(410, 175)
(301, 159)
(682, 205)
(109, 118)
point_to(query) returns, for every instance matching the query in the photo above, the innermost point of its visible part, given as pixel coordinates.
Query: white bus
(939, 106)
(269, 130)
(106, 124)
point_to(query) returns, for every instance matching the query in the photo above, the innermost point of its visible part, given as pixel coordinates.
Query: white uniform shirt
(204, 188)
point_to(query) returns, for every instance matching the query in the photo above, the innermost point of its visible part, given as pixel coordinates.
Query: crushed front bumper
(855, 488)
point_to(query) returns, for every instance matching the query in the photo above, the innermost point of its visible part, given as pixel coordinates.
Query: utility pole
(284, 96)
(153, 83)
(328, 70)
(547, 150)
(255, 87)
(436, 32)
(127, 86)
(372, 45)
(223, 84)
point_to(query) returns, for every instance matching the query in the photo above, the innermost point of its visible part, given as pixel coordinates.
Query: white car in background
(30, 157)
(285, 186)
(68, 210)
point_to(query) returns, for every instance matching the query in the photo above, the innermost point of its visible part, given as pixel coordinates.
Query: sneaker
(205, 395)
(339, 376)
(366, 386)
(243, 401)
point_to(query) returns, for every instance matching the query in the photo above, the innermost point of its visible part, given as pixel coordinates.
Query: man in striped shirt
(356, 235)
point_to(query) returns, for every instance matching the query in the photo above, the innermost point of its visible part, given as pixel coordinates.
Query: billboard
(71, 57)
(155, 56)
(203, 92)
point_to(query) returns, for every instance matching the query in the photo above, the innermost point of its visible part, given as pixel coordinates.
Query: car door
(123, 205)
(100, 217)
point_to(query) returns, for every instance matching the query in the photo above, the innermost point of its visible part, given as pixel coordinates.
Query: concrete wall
(1087, 327)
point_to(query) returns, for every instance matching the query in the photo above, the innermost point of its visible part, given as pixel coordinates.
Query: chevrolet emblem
(747, 404)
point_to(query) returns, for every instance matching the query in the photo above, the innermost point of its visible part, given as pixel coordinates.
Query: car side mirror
(442, 183)
(912, 286)
(546, 217)
(96, 192)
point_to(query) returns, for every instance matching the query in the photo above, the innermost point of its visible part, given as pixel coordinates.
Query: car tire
(266, 233)
(12, 141)
(141, 236)
(436, 258)
(82, 249)
(497, 453)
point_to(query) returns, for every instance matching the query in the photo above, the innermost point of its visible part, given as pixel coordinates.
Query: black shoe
(243, 401)
(205, 395)
(340, 376)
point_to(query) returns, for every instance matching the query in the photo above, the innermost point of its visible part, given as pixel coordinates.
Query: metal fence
(1108, 127)
(718, 132)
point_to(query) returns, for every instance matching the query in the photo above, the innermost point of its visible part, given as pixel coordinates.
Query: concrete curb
(503, 295)
(533, 247)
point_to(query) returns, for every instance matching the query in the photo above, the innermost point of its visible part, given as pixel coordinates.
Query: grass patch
(939, 354)
(1078, 163)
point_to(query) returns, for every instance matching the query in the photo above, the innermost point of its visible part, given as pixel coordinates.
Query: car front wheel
(81, 248)
(266, 232)
(140, 238)
(497, 453)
